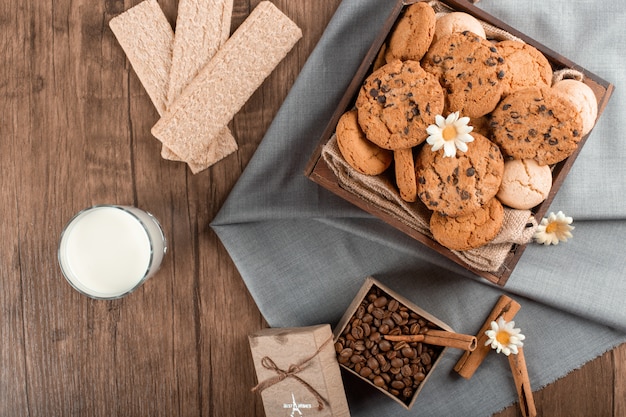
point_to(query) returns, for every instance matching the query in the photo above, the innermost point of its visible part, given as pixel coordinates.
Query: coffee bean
(384, 345)
(380, 301)
(365, 372)
(399, 385)
(397, 362)
(379, 381)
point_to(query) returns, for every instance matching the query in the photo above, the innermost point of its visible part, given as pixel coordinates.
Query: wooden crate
(369, 284)
(318, 171)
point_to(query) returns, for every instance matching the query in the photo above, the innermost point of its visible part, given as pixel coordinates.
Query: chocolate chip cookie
(471, 230)
(413, 33)
(456, 186)
(537, 123)
(361, 154)
(525, 66)
(397, 103)
(471, 71)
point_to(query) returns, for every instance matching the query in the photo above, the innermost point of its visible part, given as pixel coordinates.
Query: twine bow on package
(298, 373)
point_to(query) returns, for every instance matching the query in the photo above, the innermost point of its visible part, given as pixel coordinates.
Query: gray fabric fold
(304, 252)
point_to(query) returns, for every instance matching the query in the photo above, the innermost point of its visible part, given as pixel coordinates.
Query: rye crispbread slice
(147, 38)
(224, 85)
(202, 27)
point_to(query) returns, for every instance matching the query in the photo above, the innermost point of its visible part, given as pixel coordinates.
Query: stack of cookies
(437, 74)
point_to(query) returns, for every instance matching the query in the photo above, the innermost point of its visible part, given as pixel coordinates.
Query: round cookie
(397, 103)
(583, 98)
(404, 165)
(459, 185)
(471, 71)
(525, 183)
(537, 123)
(413, 33)
(524, 66)
(361, 154)
(457, 22)
(470, 231)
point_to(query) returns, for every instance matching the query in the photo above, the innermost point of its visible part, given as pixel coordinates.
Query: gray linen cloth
(304, 252)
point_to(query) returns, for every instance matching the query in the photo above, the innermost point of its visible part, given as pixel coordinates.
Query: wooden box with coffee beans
(459, 130)
(399, 369)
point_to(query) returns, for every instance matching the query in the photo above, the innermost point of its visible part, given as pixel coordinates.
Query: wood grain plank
(585, 392)
(619, 380)
(75, 127)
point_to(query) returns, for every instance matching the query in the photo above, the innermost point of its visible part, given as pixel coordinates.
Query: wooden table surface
(75, 131)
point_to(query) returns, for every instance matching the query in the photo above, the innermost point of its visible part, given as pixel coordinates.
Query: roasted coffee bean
(367, 318)
(409, 352)
(397, 318)
(393, 305)
(399, 385)
(419, 376)
(345, 353)
(397, 362)
(360, 312)
(382, 361)
(425, 357)
(406, 371)
(384, 345)
(365, 371)
(407, 393)
(378, 313)
(356, 359)
(372, 363)
(380, 301)
(359, 346)
(400, 345)
(357, 332)
(386, 377)
(384, 329)
(379, 381)
(376, 337)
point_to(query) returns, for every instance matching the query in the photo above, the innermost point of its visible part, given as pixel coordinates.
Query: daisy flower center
(552, 227)
(503, 338)
(449, 132)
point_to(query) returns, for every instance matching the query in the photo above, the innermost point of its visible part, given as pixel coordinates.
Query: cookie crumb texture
(397, 103)
(537, 123)
(470, 231)
(458, 186)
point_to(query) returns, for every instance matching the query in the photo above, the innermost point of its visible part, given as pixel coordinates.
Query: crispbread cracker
(224, 85)
(202, 27)
(147, 37)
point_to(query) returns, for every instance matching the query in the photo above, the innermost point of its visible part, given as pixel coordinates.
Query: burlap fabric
(518, 225)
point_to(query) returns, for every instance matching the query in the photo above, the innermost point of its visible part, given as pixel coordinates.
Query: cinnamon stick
(438, 338)
(470, 361)
(522, 384)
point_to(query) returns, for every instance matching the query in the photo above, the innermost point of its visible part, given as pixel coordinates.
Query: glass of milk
(108, 251)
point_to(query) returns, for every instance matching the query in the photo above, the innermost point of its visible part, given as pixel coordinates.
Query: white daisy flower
(554, 229)
(504, 337)
(451, 133)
